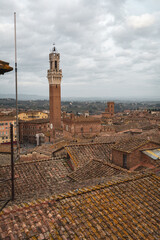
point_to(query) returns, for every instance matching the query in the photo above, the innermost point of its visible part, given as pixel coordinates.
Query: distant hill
(25, 97)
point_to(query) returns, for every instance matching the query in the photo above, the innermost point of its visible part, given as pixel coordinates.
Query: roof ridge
(91, 143)
(70, 194)
(133, 148)
(113, 165)
(33, 161)
(87, 163)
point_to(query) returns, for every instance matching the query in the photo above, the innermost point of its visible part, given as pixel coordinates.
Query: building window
(90, 129)
(124, 160)
(56, 65)
(82, 129)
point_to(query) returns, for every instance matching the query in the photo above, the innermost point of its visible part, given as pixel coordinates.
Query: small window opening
(124, 160)
(56, 65)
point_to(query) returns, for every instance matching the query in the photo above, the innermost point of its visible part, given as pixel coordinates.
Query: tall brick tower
(54, 78)
(110, 107)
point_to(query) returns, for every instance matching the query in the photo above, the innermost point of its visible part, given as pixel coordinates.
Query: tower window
(56, 65)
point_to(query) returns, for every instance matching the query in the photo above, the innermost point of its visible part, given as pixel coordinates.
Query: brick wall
(81, 129)
(55, 105)
(28, 130)
(134, 158)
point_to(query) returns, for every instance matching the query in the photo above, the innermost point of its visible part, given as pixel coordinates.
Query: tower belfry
(54, 78)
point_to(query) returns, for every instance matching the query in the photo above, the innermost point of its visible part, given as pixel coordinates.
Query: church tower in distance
(54, 78)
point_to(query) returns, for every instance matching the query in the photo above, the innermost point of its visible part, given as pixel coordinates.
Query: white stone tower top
(54, 73)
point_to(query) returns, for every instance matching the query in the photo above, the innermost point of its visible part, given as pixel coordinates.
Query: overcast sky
(108, 48)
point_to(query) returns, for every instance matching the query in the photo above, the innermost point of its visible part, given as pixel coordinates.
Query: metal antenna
(54, 48)
(17, 129)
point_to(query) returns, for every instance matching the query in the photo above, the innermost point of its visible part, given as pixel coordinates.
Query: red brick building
(29, 129)
(80, 126)
(109, 111)
(128, 153)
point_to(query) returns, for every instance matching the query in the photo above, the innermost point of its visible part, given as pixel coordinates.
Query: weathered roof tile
(131, 144)
(126, 209)
(80, 154)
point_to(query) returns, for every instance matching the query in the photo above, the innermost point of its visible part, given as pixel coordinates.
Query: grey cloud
(99, 51)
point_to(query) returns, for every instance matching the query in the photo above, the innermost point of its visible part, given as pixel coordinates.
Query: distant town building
(109, 111)
(54, 78)
(32, 115)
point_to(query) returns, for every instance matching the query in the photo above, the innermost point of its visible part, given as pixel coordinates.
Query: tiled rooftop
(5, 159)
(80, 154)
(127, 209)
(44, 120)
(6, 148)
(130, 144)
(48, 149)
(33, 179)
(96, 169)
(114, 138)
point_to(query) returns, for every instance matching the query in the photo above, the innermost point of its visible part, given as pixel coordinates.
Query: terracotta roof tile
(96, 169)
(33, 179)
(130, 144)
(48, 149)
(128, 209)
(80, 154)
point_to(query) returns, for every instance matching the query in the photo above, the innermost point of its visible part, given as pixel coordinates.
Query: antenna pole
(17, 129)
